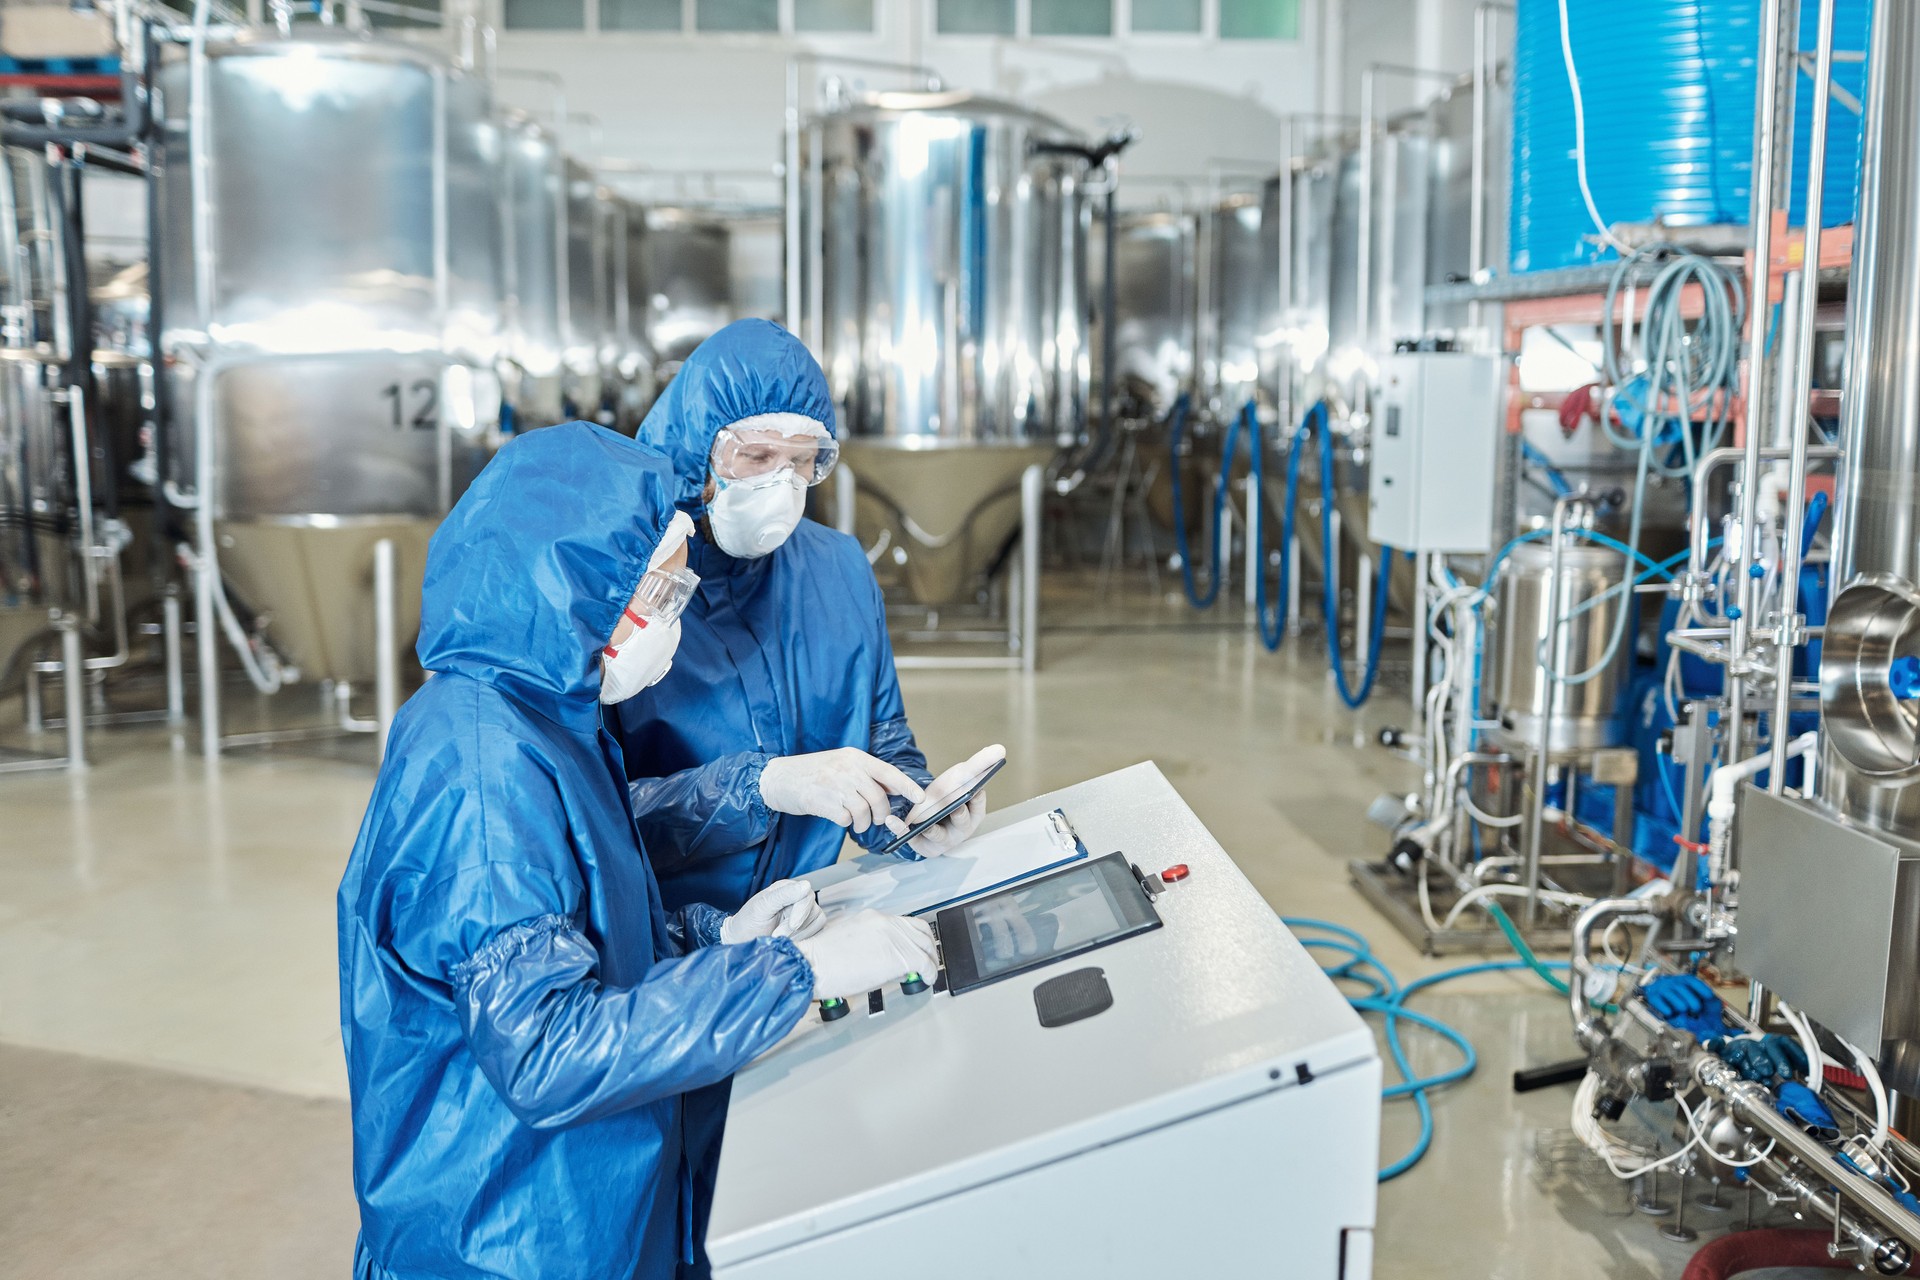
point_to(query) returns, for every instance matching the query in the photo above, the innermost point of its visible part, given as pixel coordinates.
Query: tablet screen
(1048, 919)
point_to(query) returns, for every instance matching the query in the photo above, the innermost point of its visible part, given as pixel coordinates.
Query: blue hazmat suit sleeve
(694, 926)
(709, 811)
(890, 737)
(559, 1046)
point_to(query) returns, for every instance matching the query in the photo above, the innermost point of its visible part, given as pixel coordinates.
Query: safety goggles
(663, 595)
(748, 454)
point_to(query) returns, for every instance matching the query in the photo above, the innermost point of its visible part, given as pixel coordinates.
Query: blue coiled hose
(1270, 617)
(1177, 428)
(1384, 995)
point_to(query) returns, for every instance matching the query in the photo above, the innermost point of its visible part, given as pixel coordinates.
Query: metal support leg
(1223, 538)
(1032, 485)
(205, 643)
(73, 684)
(1254, 567)
(176, 672)
(35, 706)
(1421, 568)
(386, 667)
(1293, 581)
(1363, 608)
(845, 490)
(1330, 564)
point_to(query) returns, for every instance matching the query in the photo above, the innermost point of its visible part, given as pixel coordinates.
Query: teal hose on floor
(1384, 995)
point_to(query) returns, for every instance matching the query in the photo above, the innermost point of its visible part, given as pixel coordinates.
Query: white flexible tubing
(1580, 134)
(1882, 1111)
(1473, 896)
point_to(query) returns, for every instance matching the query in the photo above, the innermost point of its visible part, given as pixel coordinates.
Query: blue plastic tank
(1669, 88)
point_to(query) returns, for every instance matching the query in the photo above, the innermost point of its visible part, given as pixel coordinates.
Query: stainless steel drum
(330, 304)
(1241, 352)
(1155, 278)
(1585, 715)
(943, 284)
(627, 356)
(533, 211)
(40, 568)
(689, 278)
(588, 314)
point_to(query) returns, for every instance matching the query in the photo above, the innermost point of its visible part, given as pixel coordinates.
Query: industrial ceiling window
(1071, 17)
(976, 18)
(640, 15)
(1259, 19)
(853, 16)
(545, 15)
(421, 13)
(737, 15)
(1168, 17)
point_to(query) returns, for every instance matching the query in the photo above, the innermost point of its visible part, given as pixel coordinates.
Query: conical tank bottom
(311, 579)
(947, 509)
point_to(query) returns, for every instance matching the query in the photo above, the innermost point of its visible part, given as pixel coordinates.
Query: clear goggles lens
(749, 455)
(664, 593)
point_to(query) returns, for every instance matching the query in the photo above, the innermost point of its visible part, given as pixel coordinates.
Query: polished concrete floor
(170, 1075)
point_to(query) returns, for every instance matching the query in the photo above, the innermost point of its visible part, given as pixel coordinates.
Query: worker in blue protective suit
(520, 1012)
(789, 731)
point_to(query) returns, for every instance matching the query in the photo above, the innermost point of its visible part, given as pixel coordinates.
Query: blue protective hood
(748, 368)
(527, 575)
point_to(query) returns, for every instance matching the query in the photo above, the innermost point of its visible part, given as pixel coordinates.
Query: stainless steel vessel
(1872, 772)
(331, 332)
(1585, 714)
(533, 212)
(1155, 281)
(1242, 351)
(689, 276)
(943, 285)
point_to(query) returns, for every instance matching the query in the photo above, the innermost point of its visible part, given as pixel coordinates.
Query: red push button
(1175, 873)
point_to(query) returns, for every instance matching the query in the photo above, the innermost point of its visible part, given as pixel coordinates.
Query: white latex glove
(867, 950)
(784, 909)
(962, 823)
(846, 786)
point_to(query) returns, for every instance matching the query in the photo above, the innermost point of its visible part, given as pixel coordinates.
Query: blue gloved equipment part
(1768, 1060)
(1803, 1106)
(1903, 677)
(1684, 1001)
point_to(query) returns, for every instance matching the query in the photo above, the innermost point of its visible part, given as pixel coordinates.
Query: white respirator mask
(761, 468)
(640, 661)
(643, 659)
(751, 518)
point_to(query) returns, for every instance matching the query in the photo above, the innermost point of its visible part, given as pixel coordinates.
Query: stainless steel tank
(944, 287)
(588, 317)
(1155, 279)
(1872, 738)
(331, 300)
(689, 276)
(627, 357)
(534, 260)
(1585, 715)
(41, 568)
(1242, 356)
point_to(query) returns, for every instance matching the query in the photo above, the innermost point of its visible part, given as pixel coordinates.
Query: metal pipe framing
(1786, 637)
(1712, 461)
(176, 674)
(1589, 1026)
(1765, 154)
(1484, 75)
(1751, 1104)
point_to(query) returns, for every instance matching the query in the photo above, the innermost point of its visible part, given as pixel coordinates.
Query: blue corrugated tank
(1668, 87)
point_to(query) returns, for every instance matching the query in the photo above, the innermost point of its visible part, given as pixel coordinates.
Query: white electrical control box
(1435, 461)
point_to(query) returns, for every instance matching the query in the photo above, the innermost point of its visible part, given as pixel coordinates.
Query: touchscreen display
(1052, 917)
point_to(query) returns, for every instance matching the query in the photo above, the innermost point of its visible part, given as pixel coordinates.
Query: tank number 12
(424, 394)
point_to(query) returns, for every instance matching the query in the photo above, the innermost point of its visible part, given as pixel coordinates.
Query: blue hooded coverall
(781, 655)
(521, 1014)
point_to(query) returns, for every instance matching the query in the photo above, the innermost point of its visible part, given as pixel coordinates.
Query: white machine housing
(1220, 1119)
(1435, 470)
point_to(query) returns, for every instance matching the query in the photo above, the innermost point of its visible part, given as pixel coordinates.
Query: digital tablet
(946, 811)
(1035, 923)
